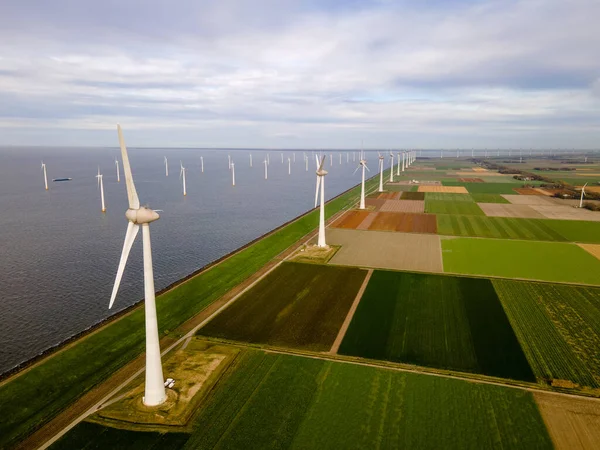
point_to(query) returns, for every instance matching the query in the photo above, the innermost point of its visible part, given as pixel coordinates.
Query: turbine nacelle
(141, 215)
(322, 172)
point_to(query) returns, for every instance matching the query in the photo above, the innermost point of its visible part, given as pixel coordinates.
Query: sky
(301, 74)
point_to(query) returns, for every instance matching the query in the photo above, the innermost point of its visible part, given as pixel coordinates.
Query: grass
(488, 188)
(276, 401)
(296, 305)
(64, 377)
(93, 436)
(438, 321)
(499, 227)
(489, 198)
(453, 207)
(558, 328)
(448, 197)
(548, 261)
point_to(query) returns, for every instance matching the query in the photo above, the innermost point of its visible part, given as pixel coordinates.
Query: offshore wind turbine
(289, 166)
(45, 175)
(363, 163)
(202, 163)
(321, 181)
(250, 159)
(306, 162)
(582, 194)
(391, 167)
(166, 167)
(281, 157)
(182, 176)
(232, 173)
(381, 158)
(294, 156)
(118, 174)
(330, 159)
(229, 161)
(101, 187)
(266, 172)
(154, 391)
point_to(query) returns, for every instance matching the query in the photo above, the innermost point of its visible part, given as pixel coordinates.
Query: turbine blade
(132, 231)
(357, 167)
(322, 163)
(134, 201)
(366, 167)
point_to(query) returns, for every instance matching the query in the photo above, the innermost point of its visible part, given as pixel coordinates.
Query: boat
(62, 179)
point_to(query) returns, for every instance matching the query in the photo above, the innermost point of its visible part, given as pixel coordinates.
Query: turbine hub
(141, 215)
(322, 172)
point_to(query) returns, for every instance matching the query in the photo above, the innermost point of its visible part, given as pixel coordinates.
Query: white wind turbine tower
(229, 161)
(321, 181)
(45, 175)
(398, 164)
(282, 158)
(582, 194)
(330, 159)
(403, 157)
(289, 166)
(232, 173)
(250, 159)
(154, 393)
(294, 156)
(306, 162)
(182, 176)
(391, 167)
(363, 163)
(266, 165)
(101, 187)
(381, 158)
(118, 174)
(340, 159)
(202, 164)
(166, 167)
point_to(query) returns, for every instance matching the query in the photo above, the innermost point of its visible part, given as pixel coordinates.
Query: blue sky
(301, 74)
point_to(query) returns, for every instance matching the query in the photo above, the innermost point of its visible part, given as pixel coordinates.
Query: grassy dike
(32, 398)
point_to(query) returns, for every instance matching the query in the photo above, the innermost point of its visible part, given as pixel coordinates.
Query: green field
(488, 188)
(413, 196)
(401, 188)
(547, 261)
(500, 227)
(489, 198)
(296, 305)
(576, 230)
(437, 321)
(69, 374)
(452, 207)
(558, 328)
(276, 401)
(448, 197)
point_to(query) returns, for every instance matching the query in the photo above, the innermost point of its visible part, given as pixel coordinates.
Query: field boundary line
(338, 340)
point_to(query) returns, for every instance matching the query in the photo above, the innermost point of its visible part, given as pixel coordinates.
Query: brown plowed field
(365, 224)
(351, 219)
(527, 191)
(397, 251)
(528, 199)
(567, 213)
(389, 195)
(593, 249)
(411, 206)
(479, 169)
(405, 222)
(470, 180)
(548, 192)
(374, 203)
(504, 210)
(447, 189)
(573, 423)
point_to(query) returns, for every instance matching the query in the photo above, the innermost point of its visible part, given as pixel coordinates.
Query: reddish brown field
(470, 180)
(404, 206)
(390, 195)
(404, 222)
(374, 203)
(527, 191)
(351, 220)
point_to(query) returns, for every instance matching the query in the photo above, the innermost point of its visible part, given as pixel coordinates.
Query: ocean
(59, 253)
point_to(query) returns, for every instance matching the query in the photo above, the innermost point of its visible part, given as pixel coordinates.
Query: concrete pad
(567, 213)
(504, 210)
(528, 199)
(386, 250)
(412, 206)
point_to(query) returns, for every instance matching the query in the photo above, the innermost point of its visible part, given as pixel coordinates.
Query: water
(59, 253)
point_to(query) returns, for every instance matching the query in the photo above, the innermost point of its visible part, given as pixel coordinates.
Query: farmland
(489, 198)
(466, 327)
(296, 305)
(557, 326)
(447, 197)
(486, 188)
(548, 261)
(452, 207)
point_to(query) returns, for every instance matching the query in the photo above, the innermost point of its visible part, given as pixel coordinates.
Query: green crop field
(452, 207)
(448, 197)
(438, 321)
(488, 188)
(296, 305)
(401, 188)
(96, 357)
(558, 328)
(576, 230)
(413, 196)
(489, 198)
(277, 401)
(499, 227)
(548, 261)
(93, 436)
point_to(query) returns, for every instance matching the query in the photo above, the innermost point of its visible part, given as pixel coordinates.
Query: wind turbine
(381, 158)
(330, 159)
(45, 175)
(182, 176)
(202, 163)
(250, 159)
(582, 194)
(281, 157)
(229, 161)
(101, 187)
(166, 167)
(289, 166)
(363, 163)
(340, 158)
(118, 174)
(391, 167)
(294, 155)
(398, 164)
(306, 162)
(266, 165)
(321, 181)
(154, 393)
(232, 173)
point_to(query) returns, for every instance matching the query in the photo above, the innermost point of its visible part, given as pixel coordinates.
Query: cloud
(323, 74)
